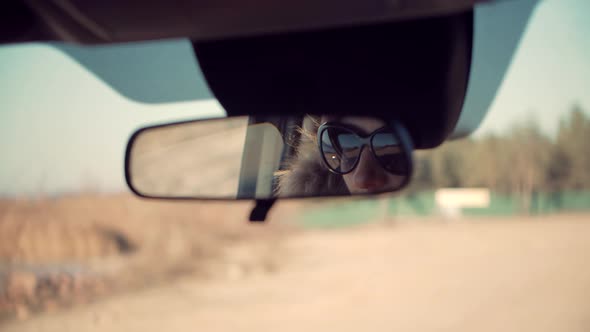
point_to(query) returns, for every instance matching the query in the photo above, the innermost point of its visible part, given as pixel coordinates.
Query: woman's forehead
(368, 124)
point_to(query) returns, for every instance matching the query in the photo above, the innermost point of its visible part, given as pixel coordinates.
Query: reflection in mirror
(265, 157)
(347, 155)
(183, 160)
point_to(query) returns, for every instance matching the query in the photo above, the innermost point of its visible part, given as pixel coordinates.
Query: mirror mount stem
(261, 209)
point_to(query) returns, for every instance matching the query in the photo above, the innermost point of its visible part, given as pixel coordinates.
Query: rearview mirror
(259, 158)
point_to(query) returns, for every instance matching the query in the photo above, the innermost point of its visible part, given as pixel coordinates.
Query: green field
(342, 213)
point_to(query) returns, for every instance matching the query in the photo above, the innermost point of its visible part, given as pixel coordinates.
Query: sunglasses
(341, 147)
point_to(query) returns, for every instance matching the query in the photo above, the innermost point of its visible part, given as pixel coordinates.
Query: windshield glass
(492, 231)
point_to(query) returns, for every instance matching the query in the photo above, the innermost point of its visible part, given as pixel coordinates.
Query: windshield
(492, 232)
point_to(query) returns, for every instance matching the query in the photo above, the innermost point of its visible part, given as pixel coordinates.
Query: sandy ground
(521, 275)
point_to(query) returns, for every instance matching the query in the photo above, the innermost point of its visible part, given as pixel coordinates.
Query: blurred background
(493, 233)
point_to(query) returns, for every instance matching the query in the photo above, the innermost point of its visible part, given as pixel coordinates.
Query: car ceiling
(109, 21)
(142, 70)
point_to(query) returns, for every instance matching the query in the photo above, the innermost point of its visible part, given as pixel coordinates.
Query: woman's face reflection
(368, 176)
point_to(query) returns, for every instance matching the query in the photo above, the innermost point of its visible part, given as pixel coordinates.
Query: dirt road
(460, 276)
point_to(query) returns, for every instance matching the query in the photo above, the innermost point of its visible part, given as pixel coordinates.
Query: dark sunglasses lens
(390, 153)
(340, 149)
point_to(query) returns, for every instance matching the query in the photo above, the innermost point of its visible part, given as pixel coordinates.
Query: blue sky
(550, 70)
(62, 129)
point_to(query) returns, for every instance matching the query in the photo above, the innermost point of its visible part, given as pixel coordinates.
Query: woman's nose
(368, 174)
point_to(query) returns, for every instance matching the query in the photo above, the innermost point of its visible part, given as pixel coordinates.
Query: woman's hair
(305, 173)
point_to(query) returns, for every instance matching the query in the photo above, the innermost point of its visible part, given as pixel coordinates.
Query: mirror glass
(264, 157)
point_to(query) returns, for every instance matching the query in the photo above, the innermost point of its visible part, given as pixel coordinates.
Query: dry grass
(71, 249)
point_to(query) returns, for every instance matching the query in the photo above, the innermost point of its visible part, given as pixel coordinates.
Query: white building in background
(451, 201)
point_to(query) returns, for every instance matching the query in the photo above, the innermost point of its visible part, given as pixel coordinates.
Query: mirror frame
(400, 131)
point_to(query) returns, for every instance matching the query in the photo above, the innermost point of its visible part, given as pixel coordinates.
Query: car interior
(306, 101)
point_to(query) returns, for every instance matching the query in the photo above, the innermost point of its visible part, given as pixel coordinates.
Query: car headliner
(153, 63)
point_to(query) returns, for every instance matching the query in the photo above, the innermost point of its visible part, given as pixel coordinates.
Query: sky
(550, 70)
(64, 130)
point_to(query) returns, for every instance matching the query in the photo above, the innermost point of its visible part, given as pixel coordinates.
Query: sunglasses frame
(393, 127)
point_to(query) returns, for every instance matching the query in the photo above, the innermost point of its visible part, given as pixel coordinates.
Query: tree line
(522, 161)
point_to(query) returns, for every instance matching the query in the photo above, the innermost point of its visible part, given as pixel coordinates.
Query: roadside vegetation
(522, 163)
